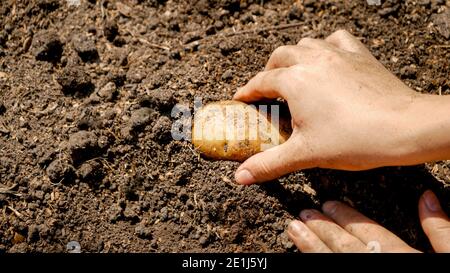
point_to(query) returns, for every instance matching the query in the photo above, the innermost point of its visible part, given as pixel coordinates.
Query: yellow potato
(233, 130)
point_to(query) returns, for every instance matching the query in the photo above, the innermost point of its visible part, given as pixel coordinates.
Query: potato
(233, 130)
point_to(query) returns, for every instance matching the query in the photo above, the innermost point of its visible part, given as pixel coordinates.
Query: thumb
(435, 222)
(273, 163)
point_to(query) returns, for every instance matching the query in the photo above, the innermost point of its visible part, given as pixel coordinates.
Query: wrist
(426, 129)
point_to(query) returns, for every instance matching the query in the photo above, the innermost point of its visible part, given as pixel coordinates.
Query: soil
(86, 93)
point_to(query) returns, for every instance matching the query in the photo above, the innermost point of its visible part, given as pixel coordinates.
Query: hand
(343, 229)
(348, 112)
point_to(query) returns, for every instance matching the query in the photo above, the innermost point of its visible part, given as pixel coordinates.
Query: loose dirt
(86, 93)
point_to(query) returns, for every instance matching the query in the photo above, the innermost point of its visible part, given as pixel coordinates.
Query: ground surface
(85, 99)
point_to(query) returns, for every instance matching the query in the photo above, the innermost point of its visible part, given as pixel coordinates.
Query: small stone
(227, 75)
(164, 214)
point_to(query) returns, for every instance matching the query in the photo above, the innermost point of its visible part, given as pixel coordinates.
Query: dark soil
(85, 97)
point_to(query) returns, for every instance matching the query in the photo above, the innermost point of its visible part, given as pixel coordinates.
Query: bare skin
(350, 113)
(341, 228)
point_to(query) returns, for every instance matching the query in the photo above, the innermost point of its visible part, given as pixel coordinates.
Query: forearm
(428, 129)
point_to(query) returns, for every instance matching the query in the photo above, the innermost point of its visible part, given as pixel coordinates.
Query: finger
(289, 55)
(365, 229)
(342, 39)
(275, 162)
(265, 85)
(435, 222)
(306, 240)
(335, 237)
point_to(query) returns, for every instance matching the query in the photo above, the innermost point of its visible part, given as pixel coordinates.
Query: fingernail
(330, 207)
(296, 229)
(431, 201)
(307, 214)
(244, 177)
